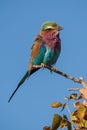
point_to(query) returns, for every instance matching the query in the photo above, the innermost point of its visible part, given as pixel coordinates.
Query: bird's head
(49, 25)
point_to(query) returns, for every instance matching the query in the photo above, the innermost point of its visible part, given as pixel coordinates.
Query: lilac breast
(53, 41)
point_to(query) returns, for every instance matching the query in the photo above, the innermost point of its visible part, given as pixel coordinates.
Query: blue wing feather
(39, 59)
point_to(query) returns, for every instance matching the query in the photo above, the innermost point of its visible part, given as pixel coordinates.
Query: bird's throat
(52, 39)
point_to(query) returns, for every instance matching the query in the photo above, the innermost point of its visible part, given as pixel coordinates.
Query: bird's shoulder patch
(38, 37)
(36, 46)
(38, 40)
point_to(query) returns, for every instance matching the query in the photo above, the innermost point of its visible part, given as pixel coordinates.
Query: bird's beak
(60, 28)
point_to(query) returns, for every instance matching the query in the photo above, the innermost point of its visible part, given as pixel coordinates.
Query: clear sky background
(20, 22)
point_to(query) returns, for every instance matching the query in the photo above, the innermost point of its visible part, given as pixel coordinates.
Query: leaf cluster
(78, 117)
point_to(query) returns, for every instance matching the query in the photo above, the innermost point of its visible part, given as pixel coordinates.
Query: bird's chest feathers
(51, 56)
(53, 48)
(52, 41)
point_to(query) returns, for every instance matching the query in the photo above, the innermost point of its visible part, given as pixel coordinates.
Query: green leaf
(56, 121)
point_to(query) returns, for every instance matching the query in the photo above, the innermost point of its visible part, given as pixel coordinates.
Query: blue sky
(20, 22)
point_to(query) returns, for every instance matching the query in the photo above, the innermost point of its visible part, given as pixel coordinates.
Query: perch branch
(78, 80)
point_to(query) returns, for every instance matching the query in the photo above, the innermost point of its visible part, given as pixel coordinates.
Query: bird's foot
(42, 65)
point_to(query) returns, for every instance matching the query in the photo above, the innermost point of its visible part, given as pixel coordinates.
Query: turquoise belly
(51, 56)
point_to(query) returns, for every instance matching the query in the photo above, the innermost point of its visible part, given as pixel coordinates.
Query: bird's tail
(20, 83)
(27, 74)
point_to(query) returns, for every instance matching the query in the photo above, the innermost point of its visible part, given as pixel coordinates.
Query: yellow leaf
(85, 103)
(79, 117)
(83, 92)
(73, 96)
(65, 122)
(82, 124)
(77, 105)
(74, 117)
(56, 104)
(46, 128)
(81, 112)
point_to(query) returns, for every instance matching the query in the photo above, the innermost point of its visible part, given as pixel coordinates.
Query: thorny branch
(78, 80)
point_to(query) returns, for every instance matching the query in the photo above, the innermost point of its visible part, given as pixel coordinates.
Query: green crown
(45, 25)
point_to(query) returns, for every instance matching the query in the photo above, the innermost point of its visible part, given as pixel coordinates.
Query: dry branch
(78, 80)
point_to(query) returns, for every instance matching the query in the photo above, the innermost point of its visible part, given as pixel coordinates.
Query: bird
(45, 50)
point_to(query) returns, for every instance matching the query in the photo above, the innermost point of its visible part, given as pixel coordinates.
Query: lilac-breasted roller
(45, 50)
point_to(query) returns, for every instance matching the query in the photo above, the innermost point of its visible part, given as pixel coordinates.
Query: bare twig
(73, 89)
(78, 80)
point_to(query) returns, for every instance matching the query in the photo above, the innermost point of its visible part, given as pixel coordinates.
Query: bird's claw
(42, 65)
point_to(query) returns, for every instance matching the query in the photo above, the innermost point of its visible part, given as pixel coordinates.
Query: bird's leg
(42, 65)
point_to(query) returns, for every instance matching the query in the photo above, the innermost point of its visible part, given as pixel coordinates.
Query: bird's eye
(49, 29)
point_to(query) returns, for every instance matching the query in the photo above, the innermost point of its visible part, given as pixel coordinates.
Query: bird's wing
(37, 55)
(38, 52)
